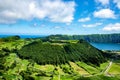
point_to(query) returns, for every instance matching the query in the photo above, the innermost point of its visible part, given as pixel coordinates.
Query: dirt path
(109, 66)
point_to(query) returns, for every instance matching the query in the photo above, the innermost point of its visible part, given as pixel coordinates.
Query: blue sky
(45, 17)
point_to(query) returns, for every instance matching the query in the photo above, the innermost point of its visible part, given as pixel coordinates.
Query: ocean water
(24, 36)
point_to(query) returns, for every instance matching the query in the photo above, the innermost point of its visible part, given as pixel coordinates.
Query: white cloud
(84, 19)
(52, 10)
(104, 13)
(57, 27)
(117, 3)
(103, 2)
(92, 25)
(112, 27)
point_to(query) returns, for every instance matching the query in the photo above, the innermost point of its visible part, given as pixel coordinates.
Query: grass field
(115, 68)
(90, 69)
(46, 68)
(78, 69)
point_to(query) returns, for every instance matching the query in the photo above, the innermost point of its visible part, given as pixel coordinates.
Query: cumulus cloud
(84, 19)
(112, 27)
(92, 25)
(104, 13)
(103, 2)
(117, 3)
(52, 10)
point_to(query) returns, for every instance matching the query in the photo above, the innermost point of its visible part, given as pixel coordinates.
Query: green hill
(61, 52)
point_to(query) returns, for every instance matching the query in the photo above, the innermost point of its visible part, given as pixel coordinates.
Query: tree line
(100, 38)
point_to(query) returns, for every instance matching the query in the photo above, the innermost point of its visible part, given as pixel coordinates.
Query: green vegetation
(115, 69)
(32, 59)
(104, 66)
(99, 77)
(9, 39)
(90, 69)
(106, 38)
(77, 69)
(47, 53)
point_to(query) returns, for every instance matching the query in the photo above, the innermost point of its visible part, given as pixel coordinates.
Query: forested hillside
(61, 53)
(101, 38)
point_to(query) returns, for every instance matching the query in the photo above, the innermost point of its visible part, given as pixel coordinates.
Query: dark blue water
(106, 46)
(24, 36)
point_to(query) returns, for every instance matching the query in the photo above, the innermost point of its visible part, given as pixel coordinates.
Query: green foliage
(88, 68)
(26, 75)
(98, 77)
(115, 68)
(59, 53)
(12, 77)
(46, 53)
(2, 61)
(109, 38)
(9, 39)
(3, 53)
(66, 68)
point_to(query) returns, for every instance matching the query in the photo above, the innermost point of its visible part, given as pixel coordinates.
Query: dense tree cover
(47, 53)
(2, 60)
(106, 38)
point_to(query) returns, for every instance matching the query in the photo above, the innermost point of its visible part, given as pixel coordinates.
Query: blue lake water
(106, 46)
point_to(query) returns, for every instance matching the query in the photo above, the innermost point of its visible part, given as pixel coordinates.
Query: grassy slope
(78, 69)
(115, 68)
(90, 69)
